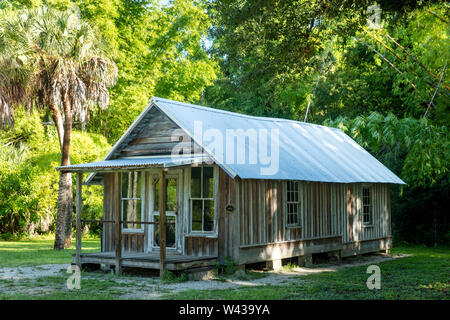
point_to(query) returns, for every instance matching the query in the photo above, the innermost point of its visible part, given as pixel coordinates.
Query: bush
(29, 155)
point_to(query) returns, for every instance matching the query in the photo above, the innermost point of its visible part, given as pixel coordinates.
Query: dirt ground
(15, 279)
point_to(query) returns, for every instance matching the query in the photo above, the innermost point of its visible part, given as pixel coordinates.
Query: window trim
(299, 223)
(370, 223)
(215, 177)
(142, 199)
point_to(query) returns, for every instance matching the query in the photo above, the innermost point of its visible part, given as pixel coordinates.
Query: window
(293, 204)
(367, 205)
(131, 200)
(202, 199)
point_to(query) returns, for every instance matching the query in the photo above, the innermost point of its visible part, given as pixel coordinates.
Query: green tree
(29, 181)
(362, 80)
(160, 53)
(52, 59)
(418, 152)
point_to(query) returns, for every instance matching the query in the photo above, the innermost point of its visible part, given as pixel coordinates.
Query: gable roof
(307, 151)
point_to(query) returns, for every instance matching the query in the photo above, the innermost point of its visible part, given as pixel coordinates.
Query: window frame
(369, 223)
(142, 199)
(298, 203)
(191, 203)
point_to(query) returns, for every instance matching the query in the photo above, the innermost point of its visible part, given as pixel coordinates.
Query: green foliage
(276, 57)
(270, 52)
(360, 81)
(421, 148)
(160, 53)
(170, 277)
(227, 267)
(418, 152)
(18, 206)
(29, 180)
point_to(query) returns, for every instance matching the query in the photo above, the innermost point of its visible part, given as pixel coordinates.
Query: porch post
(162, 223)
(117, 224)
(78, 222)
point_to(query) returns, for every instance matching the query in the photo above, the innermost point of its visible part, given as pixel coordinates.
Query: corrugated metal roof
(306, 151)
(165, 161)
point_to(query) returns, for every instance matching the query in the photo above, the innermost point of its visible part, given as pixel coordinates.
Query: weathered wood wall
(327, 210)
(157, 135)
(200, 246)
(109, 192)
(130, 241)
(228, 233)
(381, 202)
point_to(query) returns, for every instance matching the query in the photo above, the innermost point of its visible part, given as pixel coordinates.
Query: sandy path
(153, 288)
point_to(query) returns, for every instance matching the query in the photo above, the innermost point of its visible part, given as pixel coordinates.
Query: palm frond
(47, 56)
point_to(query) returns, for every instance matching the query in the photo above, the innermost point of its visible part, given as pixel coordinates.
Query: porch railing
(118, 222)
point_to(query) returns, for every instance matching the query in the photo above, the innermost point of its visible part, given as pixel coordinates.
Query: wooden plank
(235, 221)
(195, 242)
(260, 214)
(188, 245)
(250, 212)
(156, 147)
(221, 212)
(273, 204)
(388, 217)
(117, 224)
(255, 211)
(287, 249)
(78, 222)
(268, 197)
(280, 218)
(246, 212)
(350, 213)
(162, 223)
(161, 139)
(229, 217)
(146, 216)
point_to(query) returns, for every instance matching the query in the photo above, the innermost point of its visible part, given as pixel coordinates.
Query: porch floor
(148, 260)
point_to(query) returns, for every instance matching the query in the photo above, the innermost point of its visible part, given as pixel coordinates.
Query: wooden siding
(228, 226)
(157, 135)
(287, 249)
(380, 227)
(326, 210)
(200, 246)
(131, 242)
(109, 191)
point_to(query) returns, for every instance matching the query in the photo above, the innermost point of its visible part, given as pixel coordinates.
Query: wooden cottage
(187, 186)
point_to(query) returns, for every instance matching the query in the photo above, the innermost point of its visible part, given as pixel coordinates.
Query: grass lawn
(423, 275)
(29, 252)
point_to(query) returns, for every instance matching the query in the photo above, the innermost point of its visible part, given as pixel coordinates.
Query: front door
(172, 209)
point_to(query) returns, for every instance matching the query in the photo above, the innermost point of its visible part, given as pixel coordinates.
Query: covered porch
(148, 260)
(118, 256)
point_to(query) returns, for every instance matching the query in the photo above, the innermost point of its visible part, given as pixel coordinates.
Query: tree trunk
(63, 232)
(65, 184)
(59, 125)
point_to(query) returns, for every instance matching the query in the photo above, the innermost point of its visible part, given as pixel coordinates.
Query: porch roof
(136, 163)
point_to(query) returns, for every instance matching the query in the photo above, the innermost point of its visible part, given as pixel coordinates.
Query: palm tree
(52, 59)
